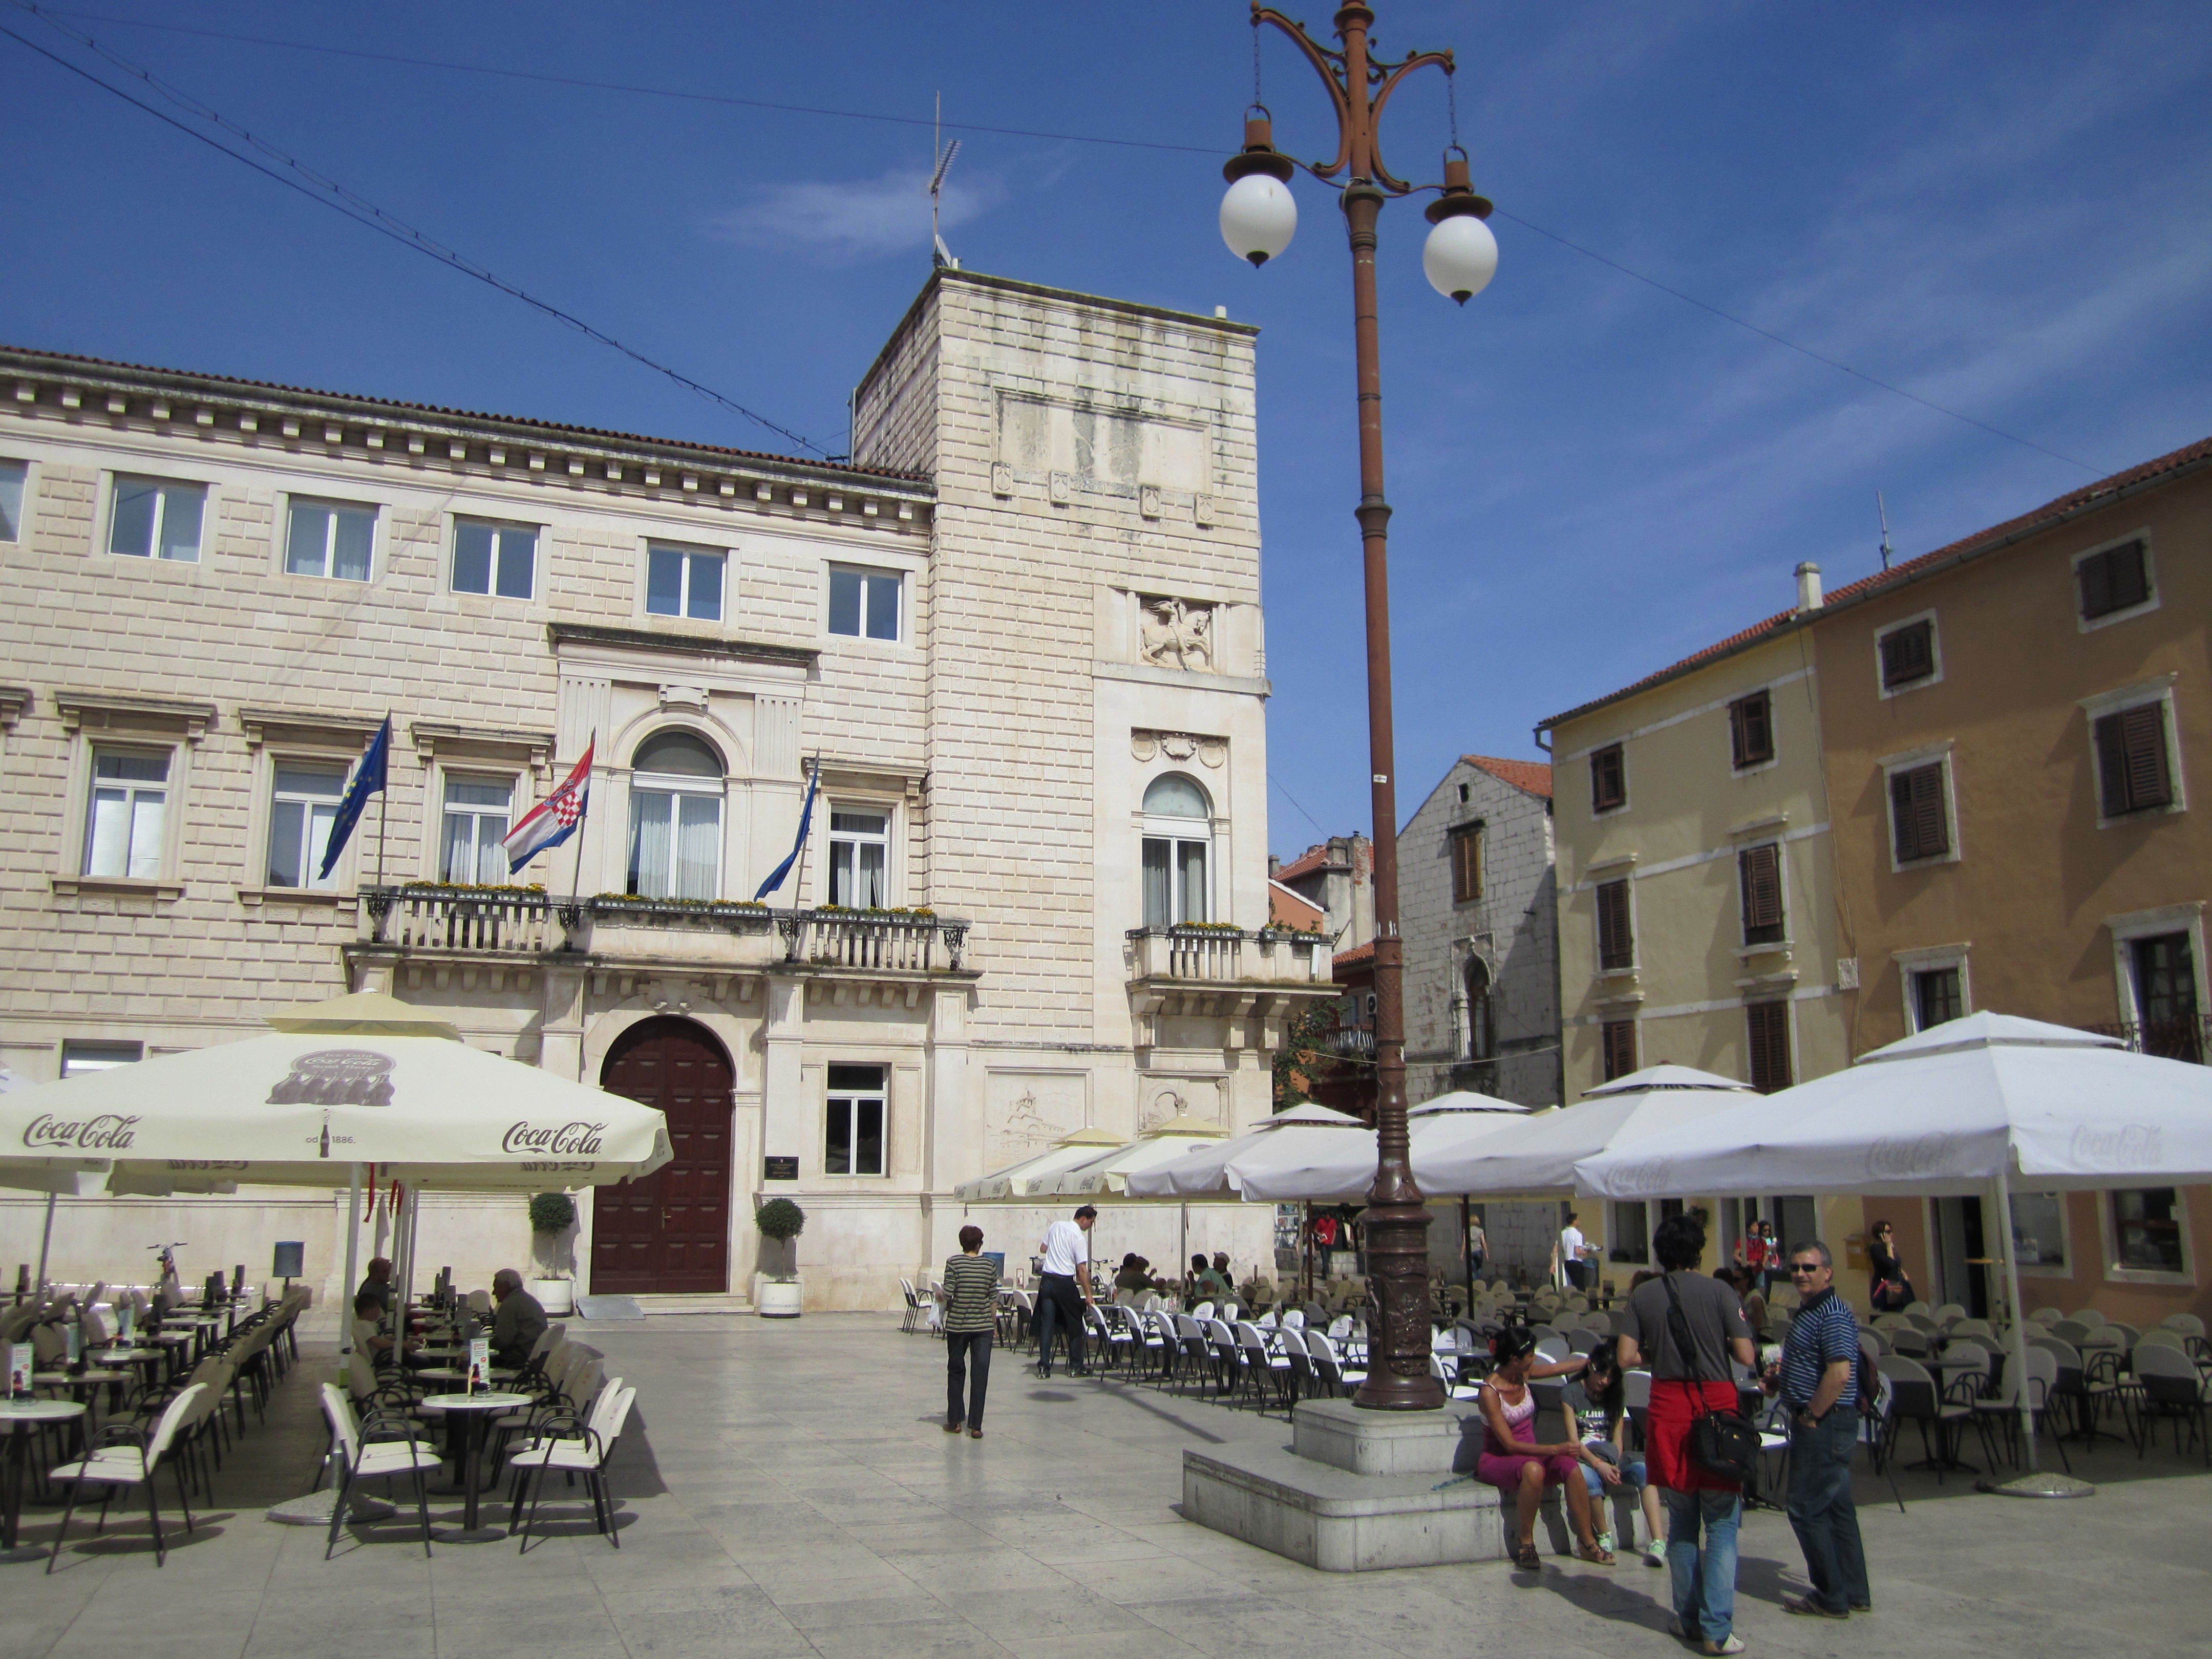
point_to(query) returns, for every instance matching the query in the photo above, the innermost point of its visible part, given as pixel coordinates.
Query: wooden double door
(669, 1231)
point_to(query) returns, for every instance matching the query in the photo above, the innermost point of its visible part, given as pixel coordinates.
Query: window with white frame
(79, 1058)
(130, 799)
(859, 858)
(302, 806)
(2133, 749)
(864, 604)
(1178, 845)
(155, 518)
(1907, 654)
(476, 823)
(495, 558)
(2112, 584)
(2038, 1230)
(683, 582)
(1923, 819)
(675, 818)
(1934, 982)
(12, 475)
(852, 1138)
(329, 538)
(2159, 969)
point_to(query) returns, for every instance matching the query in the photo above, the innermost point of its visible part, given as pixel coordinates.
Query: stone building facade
(1017, 641)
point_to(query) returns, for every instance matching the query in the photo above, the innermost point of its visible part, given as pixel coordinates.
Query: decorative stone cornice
(689, 645)
(166, 715)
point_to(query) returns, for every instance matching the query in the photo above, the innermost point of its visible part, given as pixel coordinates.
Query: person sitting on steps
(1514, 1462)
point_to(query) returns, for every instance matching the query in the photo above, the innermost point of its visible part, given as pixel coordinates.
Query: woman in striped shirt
(971, 1298)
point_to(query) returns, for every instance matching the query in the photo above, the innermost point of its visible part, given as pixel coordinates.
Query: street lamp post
(1258, 218)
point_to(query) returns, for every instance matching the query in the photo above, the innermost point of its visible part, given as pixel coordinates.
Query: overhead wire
(48, 15)
(316, 187)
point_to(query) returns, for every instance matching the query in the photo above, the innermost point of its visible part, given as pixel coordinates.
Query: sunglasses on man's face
(1804, 1267)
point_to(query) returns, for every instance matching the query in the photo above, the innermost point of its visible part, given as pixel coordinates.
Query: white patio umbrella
(1108, 1174)
(1034, 1173)
(1961, 1108)
(1537, 1155)
(1288, 1138)
(1346, 1172)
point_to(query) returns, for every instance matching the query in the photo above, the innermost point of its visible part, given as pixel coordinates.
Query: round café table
(476, 1409)
(18, 1417)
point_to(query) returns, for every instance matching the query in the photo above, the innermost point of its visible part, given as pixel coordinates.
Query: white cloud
(855, 220)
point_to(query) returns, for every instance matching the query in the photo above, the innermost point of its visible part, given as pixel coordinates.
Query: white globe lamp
(1461, 255)
(1259, 215)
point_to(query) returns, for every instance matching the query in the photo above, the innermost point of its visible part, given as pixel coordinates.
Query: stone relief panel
(1029, 1111)
(1198, 1097)
(1176, 633)
(1147, 745)
(1091, 446)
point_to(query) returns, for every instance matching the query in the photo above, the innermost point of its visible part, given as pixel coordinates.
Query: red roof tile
(1313, 859)
(1356, 954)
(1533, 776)
(2086, 498)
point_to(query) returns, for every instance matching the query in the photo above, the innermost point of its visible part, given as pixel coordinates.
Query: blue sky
(2001, 208)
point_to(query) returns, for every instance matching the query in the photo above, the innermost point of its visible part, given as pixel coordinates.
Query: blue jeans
(1821, 1512)
(1632, 1476)
(1704, 1578)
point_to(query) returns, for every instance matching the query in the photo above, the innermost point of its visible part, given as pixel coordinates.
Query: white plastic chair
(374, 1460)
(587, 1456)
(131, 1466)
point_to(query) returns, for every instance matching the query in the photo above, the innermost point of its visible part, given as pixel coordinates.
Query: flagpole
(576, 872)
(798, 875)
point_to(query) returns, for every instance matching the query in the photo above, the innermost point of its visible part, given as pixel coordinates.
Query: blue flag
(805, 817)
(367, 780)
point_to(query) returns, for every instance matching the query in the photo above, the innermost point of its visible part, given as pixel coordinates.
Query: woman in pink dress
(1513, 1462)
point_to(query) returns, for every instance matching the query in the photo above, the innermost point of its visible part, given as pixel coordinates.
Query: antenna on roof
(940, 255)
(1882, 508)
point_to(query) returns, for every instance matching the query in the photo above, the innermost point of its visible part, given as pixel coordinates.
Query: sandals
(1525, 1556)
(1596, 1556)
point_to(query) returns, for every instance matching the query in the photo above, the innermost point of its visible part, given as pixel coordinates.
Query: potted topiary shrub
(776, 1293)
(552, 1254)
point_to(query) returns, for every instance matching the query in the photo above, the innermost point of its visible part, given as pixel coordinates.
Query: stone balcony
(483, 936)
(1224, 972)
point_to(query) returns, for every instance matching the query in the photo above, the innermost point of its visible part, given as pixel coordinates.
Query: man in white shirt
(1571, 1251)
(1066, 1277)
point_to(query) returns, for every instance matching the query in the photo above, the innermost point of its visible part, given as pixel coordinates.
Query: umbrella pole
(1467, 1250)
(352, 1268)
(2034, 1483)
(1183, 1250)
(46, 1242)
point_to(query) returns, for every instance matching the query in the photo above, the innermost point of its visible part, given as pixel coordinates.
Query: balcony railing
(527, 920)
(1225, 955)
(2189, 1039)
(1353, 1041)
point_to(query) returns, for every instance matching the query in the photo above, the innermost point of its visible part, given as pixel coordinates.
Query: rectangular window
(1919, 826)
(2115, 580)
(476, 813)
(1617, 1038)
(1767, 1026)
(859, 859)
(1609, 779)
(675, 843)
(324, 538)
(300, 812)
(1632, 1232)
(1175, 887)
(151, 519)
(1467, 863)
(78, 1058)
(499, 559)
(680, 582)
(1937, 997)
(12, 474)
(123, 832)
(864, 604)
(2147, 1230)
(1908, 653)
(854, 1142)
(2038, 1229)
(2131, 772)
(1616, 940)
(1759, 878)
(2168, 1023)
(1751, 730)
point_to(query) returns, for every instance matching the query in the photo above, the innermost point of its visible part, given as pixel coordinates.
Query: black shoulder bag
(1723, 1442)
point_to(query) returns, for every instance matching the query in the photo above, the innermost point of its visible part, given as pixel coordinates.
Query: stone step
(702, 1303)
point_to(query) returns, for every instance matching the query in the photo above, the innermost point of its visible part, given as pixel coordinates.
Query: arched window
(1178, 842)
(1481, 1017)
(675, 818)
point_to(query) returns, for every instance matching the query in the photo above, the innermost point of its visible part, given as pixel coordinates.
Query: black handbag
(1723, 1442)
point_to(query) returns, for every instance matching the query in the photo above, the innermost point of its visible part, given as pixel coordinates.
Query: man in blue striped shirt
(1819, 1384)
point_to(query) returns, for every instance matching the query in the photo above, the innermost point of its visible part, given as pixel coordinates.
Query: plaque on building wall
(780, 1169)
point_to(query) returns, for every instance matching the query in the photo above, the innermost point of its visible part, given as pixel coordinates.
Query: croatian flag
(554, 819)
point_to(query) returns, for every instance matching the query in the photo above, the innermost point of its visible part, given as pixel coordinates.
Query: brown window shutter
(1467, 863)
(1616, 943)
(1751, 730)
(2094, 576)
(1619, 1045)
(2113, 580)
(1916, 810)
(1609, 779)
(1759, 870)
(1766, 1028)
(2131, 774)
(1908, 654)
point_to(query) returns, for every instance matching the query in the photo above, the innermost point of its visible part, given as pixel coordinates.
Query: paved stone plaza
(787, 1492)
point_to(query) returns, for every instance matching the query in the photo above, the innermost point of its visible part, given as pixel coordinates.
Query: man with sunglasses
(1819, 1383)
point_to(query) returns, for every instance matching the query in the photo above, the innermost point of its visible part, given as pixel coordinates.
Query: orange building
(2012, 729)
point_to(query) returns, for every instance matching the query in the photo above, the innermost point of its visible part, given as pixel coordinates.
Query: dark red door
(669, 1231)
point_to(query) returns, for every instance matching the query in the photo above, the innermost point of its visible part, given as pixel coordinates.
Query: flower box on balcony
(740, 915)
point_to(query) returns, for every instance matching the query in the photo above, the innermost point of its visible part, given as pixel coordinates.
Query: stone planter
(557, 1296)
(776, 1298)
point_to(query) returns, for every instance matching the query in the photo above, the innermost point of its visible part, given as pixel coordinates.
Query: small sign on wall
(780, 1169)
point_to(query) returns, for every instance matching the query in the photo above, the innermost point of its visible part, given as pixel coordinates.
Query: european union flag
(367, 780)
(805, 819)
